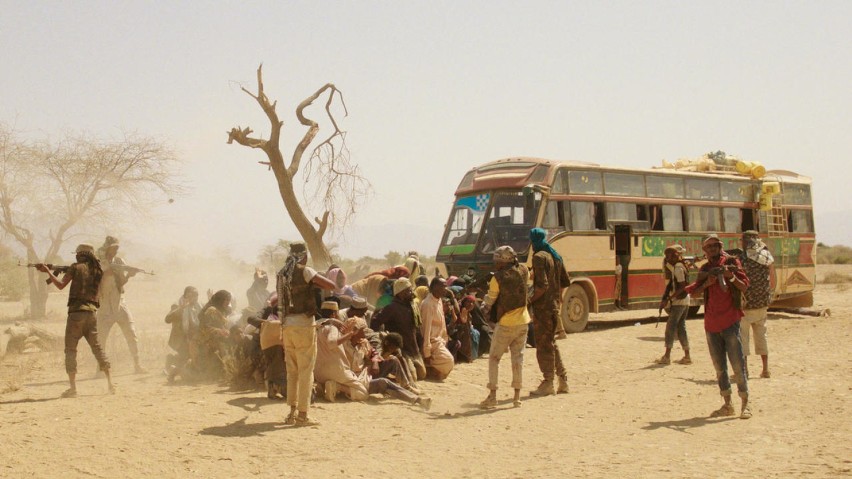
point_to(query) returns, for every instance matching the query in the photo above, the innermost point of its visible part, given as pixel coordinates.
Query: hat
(110, 241)
(711, 239)
(751, 233)
(330, 305)
(400, 285)
(355, 323)
(676, 247)
(505, 254)
(358, 302)
(84, 247)
(298, 247)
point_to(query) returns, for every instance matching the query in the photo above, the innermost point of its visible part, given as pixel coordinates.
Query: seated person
(334, 368)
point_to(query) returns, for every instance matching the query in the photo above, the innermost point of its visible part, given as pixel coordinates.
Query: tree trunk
(38, 295)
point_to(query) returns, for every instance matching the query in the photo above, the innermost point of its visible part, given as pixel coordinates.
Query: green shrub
(834, 255)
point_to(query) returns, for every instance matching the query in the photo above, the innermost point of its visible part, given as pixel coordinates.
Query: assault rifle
(123, 268)
(57, 269)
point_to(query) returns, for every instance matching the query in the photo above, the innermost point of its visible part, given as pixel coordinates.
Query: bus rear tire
(575, 309)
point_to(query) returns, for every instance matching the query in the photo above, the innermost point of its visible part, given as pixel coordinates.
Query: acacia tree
(334, 183)
(49, 192)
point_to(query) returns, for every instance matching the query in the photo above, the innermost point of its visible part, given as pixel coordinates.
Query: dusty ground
(624, 417)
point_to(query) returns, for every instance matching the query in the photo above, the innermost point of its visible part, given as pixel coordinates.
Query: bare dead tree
(47, 192)
(337, 185)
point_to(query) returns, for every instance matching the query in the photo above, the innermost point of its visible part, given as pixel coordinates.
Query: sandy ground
(624, 417)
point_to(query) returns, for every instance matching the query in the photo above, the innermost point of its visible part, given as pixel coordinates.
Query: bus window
(797, 194)
(509, 222)
(672, 218)
(800, 221)
(701, 189)
(554, 216)
(748, 219)
(703, 218)
(621, 212)
(560, 182)
(737, 191)
(587, 216)
(664, 186)
(733, 220)
(466, 220)
(585, 182)
(621, 184)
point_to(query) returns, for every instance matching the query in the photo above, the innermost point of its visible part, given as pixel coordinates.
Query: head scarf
(333, 274)
(421, 292)
(537, 237)
(413, 265)
(285, 277)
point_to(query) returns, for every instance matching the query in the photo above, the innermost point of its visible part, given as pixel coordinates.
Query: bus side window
(554, 216)
(655, 217)
(733, 220)
(600, 218)
(748, 220)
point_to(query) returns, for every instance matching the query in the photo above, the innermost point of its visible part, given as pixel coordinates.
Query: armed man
(297, 286)
(113, 309)
(507, 297)
(85, 277)
(722, 281)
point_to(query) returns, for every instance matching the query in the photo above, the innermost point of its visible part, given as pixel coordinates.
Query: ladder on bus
(777, 218)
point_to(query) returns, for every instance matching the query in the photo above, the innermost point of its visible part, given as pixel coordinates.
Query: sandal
(724, 411)
(488, 403)
(69, 393)
(663, 360)
(685, 361)
(291, 419)
(765, 374)
(305, 421)
(746, 413)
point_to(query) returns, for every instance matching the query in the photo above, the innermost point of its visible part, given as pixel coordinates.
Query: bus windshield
(465, 223)
(509, 221)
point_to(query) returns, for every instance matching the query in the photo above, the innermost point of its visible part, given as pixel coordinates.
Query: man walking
(297, 287)
(756, 260)
(676, 273)
(85, 276)
(722, 280)
(549, 280)
(113, 310)
(507, 292)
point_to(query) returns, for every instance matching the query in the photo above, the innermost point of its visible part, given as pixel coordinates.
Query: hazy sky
(433, 89)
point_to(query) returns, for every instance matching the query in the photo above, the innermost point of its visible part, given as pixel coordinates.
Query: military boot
(544, 389)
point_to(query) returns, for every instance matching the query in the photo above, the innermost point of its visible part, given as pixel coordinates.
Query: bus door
(621, 240)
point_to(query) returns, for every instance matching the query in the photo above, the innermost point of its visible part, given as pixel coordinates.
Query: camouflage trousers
(545, 319)
(82, 324)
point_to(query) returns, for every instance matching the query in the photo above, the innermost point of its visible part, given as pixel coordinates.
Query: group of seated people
(379, 335)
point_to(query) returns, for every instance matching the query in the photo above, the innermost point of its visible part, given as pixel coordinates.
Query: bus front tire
(575, 309)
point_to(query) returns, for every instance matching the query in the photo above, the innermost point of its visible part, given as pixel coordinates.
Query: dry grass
(834, 277)
(16, 371)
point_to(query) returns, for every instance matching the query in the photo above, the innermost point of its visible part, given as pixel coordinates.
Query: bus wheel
(575, 309)
(692, 311)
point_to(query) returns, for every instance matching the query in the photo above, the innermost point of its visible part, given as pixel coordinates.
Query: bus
(611, 226)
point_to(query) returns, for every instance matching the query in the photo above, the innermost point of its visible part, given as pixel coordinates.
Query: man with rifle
(676, 273)
(84, 276)
(297, 286)
(722, 280)
(113, 309)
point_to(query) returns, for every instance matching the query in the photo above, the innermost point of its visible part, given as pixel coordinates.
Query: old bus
(611, 226)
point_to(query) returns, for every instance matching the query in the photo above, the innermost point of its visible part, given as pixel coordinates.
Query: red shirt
(719, 310)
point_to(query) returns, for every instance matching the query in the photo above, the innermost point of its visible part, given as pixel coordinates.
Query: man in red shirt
(722, 281)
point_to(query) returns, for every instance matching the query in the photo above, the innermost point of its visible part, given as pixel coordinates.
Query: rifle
(57, 269)
(663, 302)
(123, 268)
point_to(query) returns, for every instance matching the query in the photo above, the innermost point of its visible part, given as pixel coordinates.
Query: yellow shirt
(515, 317)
